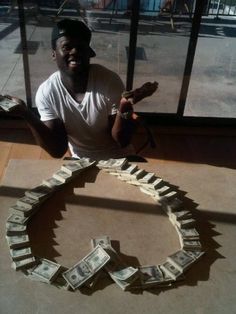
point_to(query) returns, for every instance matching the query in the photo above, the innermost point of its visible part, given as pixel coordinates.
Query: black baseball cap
(72, 28)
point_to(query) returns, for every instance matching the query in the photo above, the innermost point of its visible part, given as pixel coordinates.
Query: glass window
(212, 84)
(110, 27)
(11, 65)
(162, 44)
(163, 37)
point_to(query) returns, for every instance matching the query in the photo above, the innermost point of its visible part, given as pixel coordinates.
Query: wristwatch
(125, 115)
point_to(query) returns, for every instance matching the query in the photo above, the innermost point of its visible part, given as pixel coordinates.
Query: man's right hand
(138, 94)
(12, 105)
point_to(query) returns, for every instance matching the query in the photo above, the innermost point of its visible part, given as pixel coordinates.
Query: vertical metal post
(200, 5)
(24, 52)
(132, 43)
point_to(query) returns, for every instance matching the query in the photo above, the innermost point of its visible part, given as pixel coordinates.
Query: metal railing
(213, 7)
(223, 8)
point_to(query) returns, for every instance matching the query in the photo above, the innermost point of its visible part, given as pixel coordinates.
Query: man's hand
(138, 94)
(12, 105)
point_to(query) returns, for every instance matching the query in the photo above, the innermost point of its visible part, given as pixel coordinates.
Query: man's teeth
(73, 62)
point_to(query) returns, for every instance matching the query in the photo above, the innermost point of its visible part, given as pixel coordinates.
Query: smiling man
(80, 105)
(84, 96)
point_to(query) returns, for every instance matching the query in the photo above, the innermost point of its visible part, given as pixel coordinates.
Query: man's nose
(77, 51)
(74, 50)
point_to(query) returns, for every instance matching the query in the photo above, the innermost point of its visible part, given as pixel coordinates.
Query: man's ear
(53, 54)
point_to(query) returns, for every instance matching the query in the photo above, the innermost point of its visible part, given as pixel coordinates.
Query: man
(80, 105)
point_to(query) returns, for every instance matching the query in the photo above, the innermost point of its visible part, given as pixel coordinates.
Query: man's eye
(66, 47)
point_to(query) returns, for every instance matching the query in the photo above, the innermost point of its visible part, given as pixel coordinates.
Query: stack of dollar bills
(103, 260)
(6, 104)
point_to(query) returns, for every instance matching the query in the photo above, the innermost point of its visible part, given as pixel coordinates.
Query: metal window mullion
(24, 48)
(190, 56)
(132, 44)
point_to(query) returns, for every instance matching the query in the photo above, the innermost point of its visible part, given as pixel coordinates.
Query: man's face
(71, 55)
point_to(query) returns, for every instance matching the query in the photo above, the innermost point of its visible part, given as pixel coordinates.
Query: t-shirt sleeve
(44, 105)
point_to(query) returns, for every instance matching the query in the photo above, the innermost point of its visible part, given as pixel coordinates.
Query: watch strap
(127, 115)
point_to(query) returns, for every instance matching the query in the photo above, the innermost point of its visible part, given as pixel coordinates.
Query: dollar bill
(170, 270)
(155, 184)
(97, 259)
(168, 196)
(151, 276)
(147, 178)
(128, 169)
(75, 167)
(81, 272)
(46, 270)
(85, 162)
(27, 202)
(6, 104)
(62, 176)
(137, 176)
(158, 193)
(124, 284)
(104, 241)
(16, 219)
(131, 181)
(72, 168)
(181, 215)
(124, 276)
(22, 253)
(120, 163)
(112, 164)
(169, 280)
(25, 263)
(181, 260)
(17, 241)
(23, 211)
(15, 229)
(188, 234)
(172, 205)
(195, 254)
(53, 183)
(185, 224)
(163, 190)
(40, 192)
(191, 245)
(60, 281)
(120, 273)
(154, 194)
(160, 197)
(103, 164)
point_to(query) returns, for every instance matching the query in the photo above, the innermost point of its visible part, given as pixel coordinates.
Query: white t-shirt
(86, 122)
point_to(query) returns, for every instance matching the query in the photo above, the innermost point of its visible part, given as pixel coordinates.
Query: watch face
(126, 115)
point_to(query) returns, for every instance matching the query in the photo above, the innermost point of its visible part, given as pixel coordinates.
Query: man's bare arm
(50, 135)
(123, 124)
